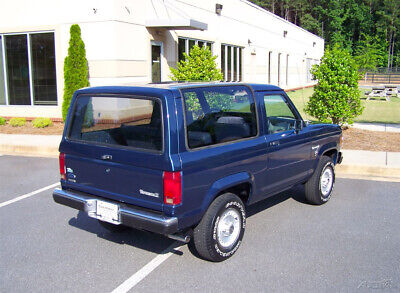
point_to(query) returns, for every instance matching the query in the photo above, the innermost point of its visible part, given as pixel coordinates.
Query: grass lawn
(378, 111)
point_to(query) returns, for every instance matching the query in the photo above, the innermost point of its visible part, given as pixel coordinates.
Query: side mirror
(298, 125)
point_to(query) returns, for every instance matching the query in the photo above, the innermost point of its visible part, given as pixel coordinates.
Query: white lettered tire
(220, 232)
(319, 187)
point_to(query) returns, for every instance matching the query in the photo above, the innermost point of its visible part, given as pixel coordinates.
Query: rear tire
(112, 227)
(319, 187)
(220, 232)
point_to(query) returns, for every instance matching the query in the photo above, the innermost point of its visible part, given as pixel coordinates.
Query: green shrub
(199, 65)
(42, 122)
(3, 121)
(75, 68)
(336, 97)
(16, 122)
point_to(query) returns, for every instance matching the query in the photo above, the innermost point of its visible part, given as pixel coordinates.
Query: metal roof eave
(177, 24)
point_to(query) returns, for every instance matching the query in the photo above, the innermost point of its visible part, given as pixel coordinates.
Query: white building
(137, 40)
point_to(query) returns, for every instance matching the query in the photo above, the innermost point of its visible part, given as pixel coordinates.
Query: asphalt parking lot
(350, 244)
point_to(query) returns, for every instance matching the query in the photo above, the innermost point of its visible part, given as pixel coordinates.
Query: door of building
(156, 51)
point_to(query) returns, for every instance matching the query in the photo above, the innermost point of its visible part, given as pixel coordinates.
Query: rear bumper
(129, 215)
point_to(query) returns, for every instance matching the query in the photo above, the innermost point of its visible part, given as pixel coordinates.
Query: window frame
(30, 68)
(69, 122)
(182, 98)
(235, 67)
(288, 102)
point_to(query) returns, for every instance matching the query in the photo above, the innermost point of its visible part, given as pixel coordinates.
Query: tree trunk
(393, 42)
(390, 47)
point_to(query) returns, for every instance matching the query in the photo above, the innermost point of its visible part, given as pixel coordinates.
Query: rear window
(121, 121)
(217, 115)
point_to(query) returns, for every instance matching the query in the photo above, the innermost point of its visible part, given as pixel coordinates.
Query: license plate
(107, 212)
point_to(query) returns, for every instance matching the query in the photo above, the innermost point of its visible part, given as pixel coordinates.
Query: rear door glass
(120, 121)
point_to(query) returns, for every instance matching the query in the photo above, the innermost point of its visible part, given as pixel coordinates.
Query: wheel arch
(329, 150)
(240, 184)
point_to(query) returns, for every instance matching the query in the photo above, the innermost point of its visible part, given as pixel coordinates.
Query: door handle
(274, 143)
(106, 157)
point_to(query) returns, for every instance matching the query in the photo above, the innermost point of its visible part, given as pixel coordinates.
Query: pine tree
(75, 68)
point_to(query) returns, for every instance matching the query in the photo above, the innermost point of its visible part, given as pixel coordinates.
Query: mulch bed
(56, 128)
(354, 139)
(359, 139)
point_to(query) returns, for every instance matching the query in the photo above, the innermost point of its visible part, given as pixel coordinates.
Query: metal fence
(376, 77)
(384, 70)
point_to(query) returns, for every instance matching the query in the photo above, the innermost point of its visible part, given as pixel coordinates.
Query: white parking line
(3, 204)
(146, 270)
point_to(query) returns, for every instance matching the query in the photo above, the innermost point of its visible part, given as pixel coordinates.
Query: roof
(162, 88)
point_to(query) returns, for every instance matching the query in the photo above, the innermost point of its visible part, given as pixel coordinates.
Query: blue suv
(184, 160)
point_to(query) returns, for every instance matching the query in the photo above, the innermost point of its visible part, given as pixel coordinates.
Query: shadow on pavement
(136, 238)
(157, 243)
(297, 193)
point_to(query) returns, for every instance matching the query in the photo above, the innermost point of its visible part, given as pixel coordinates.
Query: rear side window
(121, 121)
(219, 114)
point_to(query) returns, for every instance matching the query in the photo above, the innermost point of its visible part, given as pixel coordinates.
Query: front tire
(220, 232)
(319, 187)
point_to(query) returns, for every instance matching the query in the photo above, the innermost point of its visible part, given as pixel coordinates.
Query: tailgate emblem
(144, 192)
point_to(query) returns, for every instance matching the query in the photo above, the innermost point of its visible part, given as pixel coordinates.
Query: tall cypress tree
(75, 68)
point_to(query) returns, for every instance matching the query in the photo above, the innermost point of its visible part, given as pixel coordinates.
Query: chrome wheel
(228, 228)
(326, 182)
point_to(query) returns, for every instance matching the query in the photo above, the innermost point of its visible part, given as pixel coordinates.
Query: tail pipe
(179, 237)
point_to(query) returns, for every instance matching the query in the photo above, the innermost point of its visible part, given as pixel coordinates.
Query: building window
(28, 69)
(309, 65)
(269, 66)
(185, 45)
(231, 62)
(279, 68)
(287, 69)
(2, 77)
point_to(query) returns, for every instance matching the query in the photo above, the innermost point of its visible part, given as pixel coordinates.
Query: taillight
(61, 160)
(172, 188)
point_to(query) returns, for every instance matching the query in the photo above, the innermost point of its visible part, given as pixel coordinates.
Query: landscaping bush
(17, 122)
(199, 65)
(42, 122)
(336, 97)
(75, 68)
(3, 121)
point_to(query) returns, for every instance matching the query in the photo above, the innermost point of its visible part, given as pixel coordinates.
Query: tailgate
(114, 149)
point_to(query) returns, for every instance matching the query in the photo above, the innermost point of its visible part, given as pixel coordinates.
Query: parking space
(22, 175)
(348, 244)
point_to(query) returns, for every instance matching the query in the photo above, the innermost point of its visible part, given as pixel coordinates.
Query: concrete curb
(382, 127)
(30, 144)
(368, 171)
(29, 151)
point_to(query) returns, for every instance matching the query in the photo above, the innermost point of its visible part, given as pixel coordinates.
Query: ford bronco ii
(184, 160)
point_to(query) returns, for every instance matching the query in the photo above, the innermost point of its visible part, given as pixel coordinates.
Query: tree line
(368, 29)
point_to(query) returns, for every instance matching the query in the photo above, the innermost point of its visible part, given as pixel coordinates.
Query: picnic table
(386, 92)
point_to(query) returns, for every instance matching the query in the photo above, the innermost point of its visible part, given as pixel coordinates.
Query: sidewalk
(377, 126)
(370, 164)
